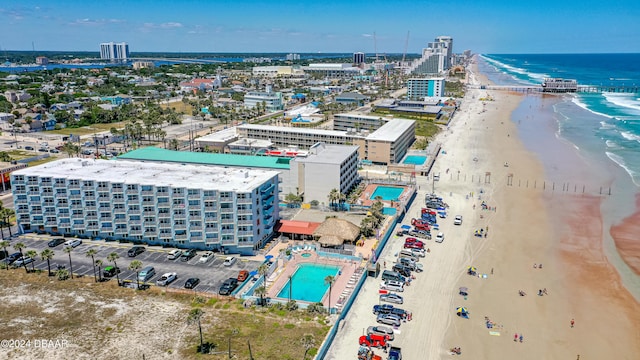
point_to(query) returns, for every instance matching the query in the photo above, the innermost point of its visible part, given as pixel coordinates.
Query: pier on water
(592, 89)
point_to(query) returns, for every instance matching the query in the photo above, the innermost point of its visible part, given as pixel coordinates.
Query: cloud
(96, 22)
(15, 13)
(166, 25)
(367, 35)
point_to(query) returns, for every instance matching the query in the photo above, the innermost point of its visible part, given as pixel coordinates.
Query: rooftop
(322, 153)
(185, 157)
(391, 130)
(158, 174)
(221, 136)
(293, 130)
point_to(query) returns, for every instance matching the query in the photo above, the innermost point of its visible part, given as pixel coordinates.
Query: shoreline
(595, 300)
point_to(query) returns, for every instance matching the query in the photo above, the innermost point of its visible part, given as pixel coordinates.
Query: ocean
(590, 139)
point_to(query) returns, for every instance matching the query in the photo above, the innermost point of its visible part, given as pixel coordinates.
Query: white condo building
(271, 100)
(420, 88)
(190, 206)
(114, 51)
(435, 59)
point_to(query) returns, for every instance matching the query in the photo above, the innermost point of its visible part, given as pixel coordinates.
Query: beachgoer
(572, 322)
(535, 266)
(540, 293)
(544, 291)
(521, 338)
(385, 264)
(491, 271)
(515, 337)
(540, 266)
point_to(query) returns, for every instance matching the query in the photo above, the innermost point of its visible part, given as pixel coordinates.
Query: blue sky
(541, 26)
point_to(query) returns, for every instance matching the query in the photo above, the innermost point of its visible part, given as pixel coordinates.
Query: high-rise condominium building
(114, 51)
(419, 88)
(358, 58)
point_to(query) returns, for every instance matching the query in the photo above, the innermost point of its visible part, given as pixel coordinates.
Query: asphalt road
(211, 274)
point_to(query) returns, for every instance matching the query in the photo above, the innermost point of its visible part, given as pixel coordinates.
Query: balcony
(164, 215)
(164, 205)
(164, 226)
(121, 230)
(94, 218)
(180, 227)
(20, 192)
(195, 207)
(181, 237)
(135, 222)
(77, 226)
(227, 231)
(75, 197)
(245, 211)
(245, 222)
(117, 191)
(165, 236)
(135, 232)
(134, 212)
(244, 201)
(227, 221)
(104, 208)
(32, 182)
(106, 229)
(194, 196)
(147, 192)
(36, 212)
(93, 228)
(209, 198)
(119, 211)
(50, 223)
(245, 233)
(197, 238)
(180, 216)
(148, 202)
(131, 192)
(149, 213)
(120, 221)
(71, 186)
(195, 228)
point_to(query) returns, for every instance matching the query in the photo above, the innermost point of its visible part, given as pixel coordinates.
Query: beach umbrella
(268, 257)
(464, 291)
(462, 312)
(253, 273)
(471, 270)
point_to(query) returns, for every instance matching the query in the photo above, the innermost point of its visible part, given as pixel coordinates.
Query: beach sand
(563, 231)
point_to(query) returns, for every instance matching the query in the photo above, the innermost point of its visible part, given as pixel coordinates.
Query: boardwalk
(590, 89)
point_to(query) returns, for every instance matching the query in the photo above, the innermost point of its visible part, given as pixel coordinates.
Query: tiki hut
(334, 232)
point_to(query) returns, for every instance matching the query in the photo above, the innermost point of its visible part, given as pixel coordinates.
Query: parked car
(414, 241)
(174, 254)
(135, 251)
(243, 275)
(392, 298)
(389, 319)
(43, 150)
(191, 283)
(23, 261)
(73, 243)
(167, 279)
(373, 340)
(29, 148)
(228, 286)
(418, 252)
(406, 262)
(54, 151)
(382, 309)
(457, 220)
(440, 237)
(381, 330)
(392, 285)
(110, 271)
(206, 257)
(402, 270)
(230, 260)
(55, 242)
(188, 255)
(12, 258)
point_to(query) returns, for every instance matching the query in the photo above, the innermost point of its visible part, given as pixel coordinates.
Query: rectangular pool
(307, 283)
(387, 193)
(415, 159)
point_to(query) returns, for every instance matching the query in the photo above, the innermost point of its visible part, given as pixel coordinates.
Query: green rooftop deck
(186, 157)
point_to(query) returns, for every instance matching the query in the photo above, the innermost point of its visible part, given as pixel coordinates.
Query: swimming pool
(387, 193)
(307, 283)
(415, 159)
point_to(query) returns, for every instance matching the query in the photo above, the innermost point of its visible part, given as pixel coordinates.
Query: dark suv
(135, 251)
(402, 270)
(188, 255)
(55, 242)
(228, 286)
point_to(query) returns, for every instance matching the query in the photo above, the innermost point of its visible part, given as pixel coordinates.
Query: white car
(392, 285)
(72, 243)
(230, 260)
(440, 237)
(206, 257)
(457, 220)
(167, 279)
(174, 254)
(418, 252)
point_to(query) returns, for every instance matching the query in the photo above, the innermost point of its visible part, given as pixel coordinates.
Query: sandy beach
(530, 221)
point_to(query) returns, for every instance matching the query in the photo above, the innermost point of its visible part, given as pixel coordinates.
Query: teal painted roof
(185, 157)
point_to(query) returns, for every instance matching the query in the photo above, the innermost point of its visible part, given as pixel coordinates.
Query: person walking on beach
(515, 337)
(521, 337)
(572, 322)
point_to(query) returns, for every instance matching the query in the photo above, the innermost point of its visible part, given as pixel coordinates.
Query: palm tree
(263, 270)
(330, 279)
(113, 257)
(68, 250)
(5, 215)
(32, 254)
(261, 291)
(98, 263)
(47, 254)
(5, 244)
(308, 341)
(92, 253)
(136, 265)
(194, 317)
(333, 196)
(62, 274)
(19, 246)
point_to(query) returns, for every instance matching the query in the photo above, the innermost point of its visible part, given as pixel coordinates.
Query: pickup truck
(395, 353)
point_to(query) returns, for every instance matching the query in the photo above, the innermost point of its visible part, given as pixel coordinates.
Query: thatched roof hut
(335, 232)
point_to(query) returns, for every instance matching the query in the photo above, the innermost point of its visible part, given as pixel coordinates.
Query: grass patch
(87, 130)
(179, 106)
(426, 128)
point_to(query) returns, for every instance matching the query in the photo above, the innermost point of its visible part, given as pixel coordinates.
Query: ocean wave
(611, 144)
(605, 126)
(630, 136)
(578, 102)
(620, 161)
(623, 100)
(512, 69)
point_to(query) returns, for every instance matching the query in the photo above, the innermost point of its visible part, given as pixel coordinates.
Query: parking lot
(211, 274)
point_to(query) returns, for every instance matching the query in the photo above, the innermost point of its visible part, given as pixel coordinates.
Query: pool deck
(340, 289)
(371, 188)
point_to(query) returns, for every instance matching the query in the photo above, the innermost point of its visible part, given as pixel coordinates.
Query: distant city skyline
(545, 26)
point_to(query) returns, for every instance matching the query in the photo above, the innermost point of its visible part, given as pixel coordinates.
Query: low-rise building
(351, 98)
(192, 206)
(271, 100)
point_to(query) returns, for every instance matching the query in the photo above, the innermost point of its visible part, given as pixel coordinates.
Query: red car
(410, 240)
(374, 340)
(414, 245)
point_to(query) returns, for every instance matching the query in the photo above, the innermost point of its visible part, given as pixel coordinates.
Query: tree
(68, 250)
(5, 244)
(47, 254)
(19, 246)
(194, 317)
(32, 254)
(263, 270)
(261, 292)
(92, 253)
(113, 257)
(136, 265)
(308, 341)
(98, 263)
(5, 215)
(62, 274)
(174, 144)
(70, 148)
(333, 197)
(330, 279)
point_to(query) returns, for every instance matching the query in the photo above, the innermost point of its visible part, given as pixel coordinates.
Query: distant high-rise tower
(436, 57)
(114, 51)
(358, 58)
(293, 57)
(448, 44)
